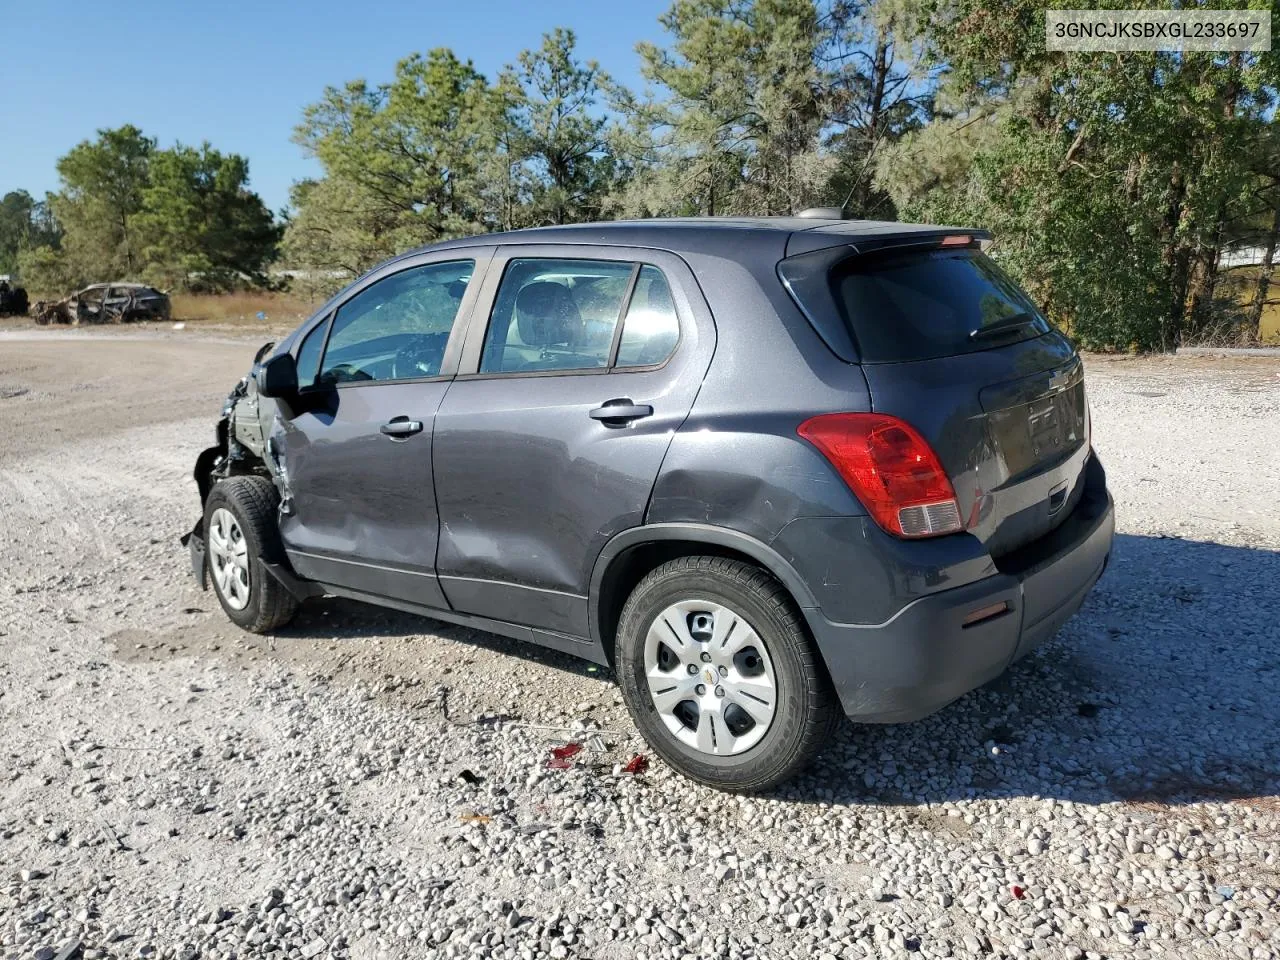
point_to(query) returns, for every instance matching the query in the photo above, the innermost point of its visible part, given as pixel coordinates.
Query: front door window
(398, 327)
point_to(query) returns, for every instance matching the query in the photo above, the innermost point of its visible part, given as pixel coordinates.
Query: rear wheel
(240, 529)
(720, 675)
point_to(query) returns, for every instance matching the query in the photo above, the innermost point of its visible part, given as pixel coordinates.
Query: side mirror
(278, 377)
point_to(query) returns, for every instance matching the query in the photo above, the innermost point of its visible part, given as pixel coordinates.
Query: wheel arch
(630, 555)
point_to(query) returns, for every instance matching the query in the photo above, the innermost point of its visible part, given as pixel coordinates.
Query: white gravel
(370, 784)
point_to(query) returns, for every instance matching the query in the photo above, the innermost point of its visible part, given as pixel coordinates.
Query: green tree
(336, 230)
(45, 272)
(103, 181)
(734, 118)
(25, 223)
(200, 224)
(410, 156)
(1110, 179)
(561, 136)
(879, 85)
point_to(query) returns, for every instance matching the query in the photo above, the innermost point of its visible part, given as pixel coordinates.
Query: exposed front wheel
(240, 529)
(720, 675)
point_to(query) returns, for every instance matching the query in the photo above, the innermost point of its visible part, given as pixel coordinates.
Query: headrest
(547, 315)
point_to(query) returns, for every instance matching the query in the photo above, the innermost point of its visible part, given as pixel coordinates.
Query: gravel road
(371, 784)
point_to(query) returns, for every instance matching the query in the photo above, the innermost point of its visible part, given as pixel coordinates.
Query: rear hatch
(950, 344)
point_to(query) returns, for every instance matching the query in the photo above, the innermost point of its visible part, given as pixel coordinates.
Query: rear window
(918, 305)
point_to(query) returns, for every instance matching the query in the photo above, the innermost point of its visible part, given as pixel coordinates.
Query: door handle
(401, 428)
(618, 413)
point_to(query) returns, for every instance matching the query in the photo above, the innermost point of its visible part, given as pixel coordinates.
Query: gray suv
(768, 470)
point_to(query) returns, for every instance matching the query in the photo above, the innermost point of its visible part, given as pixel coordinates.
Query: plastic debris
(1226, 892)
(561, 757)
(638, 764)
(475, 818)
(1018, 892)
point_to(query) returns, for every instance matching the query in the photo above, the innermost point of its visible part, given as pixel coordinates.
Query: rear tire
(720, 676)
(239, 531)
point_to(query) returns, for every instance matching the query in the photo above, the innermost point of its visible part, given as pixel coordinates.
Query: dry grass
(244, 307)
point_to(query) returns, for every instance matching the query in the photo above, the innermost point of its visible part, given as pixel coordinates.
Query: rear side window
(579, 315)
(650, 329)
(922, 304)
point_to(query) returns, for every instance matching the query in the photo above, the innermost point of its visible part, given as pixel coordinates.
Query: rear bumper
(924, 657)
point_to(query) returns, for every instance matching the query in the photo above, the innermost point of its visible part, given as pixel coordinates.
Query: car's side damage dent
(240, 451)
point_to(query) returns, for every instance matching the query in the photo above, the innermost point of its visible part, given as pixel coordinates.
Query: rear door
(551, 437)
(355, 449)
(949, 343)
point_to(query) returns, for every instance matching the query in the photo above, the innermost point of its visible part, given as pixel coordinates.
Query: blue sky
(238, 73)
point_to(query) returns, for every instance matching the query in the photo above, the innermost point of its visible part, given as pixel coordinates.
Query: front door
(355, 449)
(550, 439)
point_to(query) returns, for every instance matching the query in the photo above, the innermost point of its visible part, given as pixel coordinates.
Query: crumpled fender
(194, 542)
(203, 473)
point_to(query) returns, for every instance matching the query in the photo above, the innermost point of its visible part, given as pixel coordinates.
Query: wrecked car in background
(13, 300)
(106, 303)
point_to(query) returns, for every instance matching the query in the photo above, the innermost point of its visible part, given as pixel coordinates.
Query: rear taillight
(891, 468)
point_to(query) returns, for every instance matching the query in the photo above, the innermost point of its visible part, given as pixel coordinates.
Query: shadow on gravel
(349, 620)
(1165, 689)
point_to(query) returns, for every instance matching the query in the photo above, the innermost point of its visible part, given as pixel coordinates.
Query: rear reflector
(892, 470)
(926, 519)
(985, 613)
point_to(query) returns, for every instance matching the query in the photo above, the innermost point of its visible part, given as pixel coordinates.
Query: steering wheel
(345, 373)
(420, 357)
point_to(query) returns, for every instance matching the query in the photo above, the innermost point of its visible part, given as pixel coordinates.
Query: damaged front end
(213, 464)
(243, 447)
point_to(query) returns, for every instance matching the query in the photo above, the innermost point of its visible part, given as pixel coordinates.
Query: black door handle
(618, 413)
(401, 428)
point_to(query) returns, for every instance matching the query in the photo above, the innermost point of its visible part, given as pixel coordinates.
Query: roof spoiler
(914, 237)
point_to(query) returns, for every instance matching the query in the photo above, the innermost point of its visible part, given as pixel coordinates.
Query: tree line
(1113, 182)
(178, 217)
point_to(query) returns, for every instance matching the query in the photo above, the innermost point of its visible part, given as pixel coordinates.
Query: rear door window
(554, 316)
(922, 305)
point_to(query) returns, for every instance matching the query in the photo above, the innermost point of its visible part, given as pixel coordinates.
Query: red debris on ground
(561, 756)
(1018, 892)
(638, 764)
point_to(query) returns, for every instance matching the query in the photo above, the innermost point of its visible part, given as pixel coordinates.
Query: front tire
(240, 530)
(720, 675)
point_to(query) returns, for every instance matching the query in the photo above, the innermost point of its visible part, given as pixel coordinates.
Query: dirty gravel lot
(371, 784)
